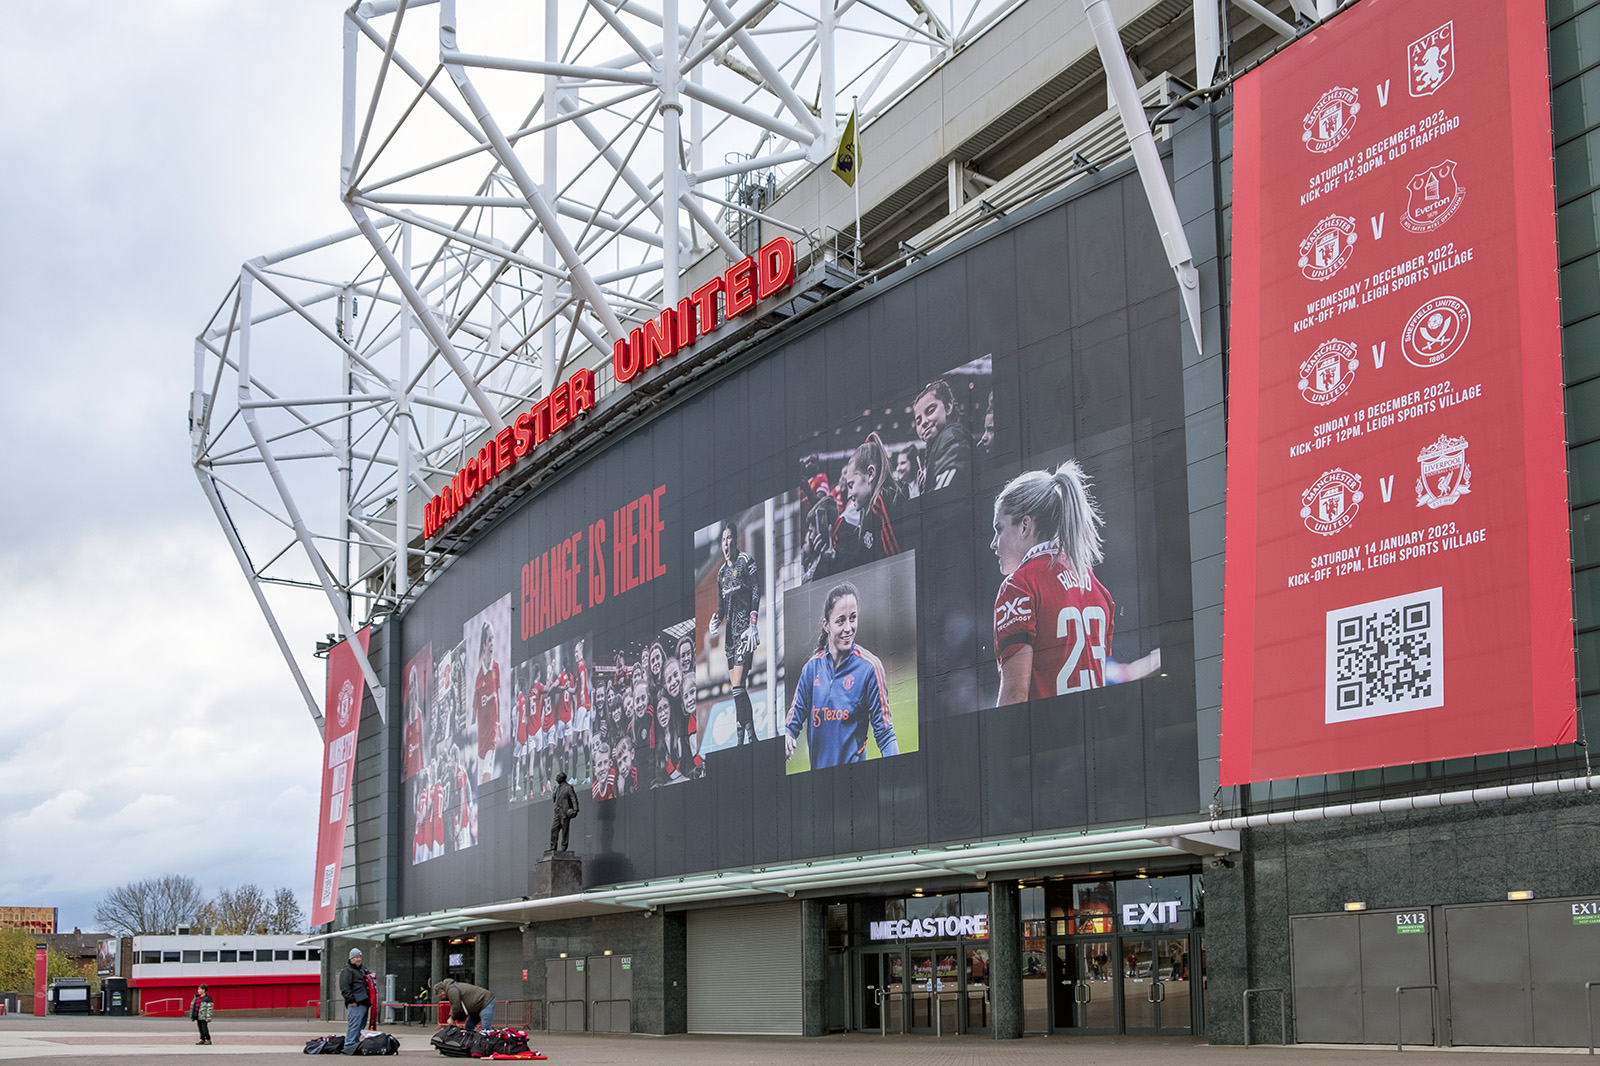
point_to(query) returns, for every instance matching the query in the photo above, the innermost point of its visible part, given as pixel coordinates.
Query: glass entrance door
(923, 988)
(1156, 985)
(1082, 993)
(880, 992)
(974, 999)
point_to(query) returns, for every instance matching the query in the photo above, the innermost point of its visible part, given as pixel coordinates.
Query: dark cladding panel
(622, 552)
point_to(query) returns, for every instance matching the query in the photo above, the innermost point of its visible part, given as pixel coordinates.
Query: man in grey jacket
(356, 985)
(469, 1004)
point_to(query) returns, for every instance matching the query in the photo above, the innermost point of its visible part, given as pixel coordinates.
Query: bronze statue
(566, 808)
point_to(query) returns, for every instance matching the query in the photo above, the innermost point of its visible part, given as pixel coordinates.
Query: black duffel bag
(378, 1044)
(454, 1041)
(326, 1045)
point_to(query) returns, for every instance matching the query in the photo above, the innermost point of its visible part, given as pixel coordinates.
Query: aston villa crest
(1436, 331)
(1445, 476)
(1327, 374)
(1328, 247)
(1435, 194)
(1330, 504)
(1331, 120)
(1431, 60)
(346, 704)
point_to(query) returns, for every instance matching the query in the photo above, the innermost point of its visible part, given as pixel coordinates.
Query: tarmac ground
(79, 1041)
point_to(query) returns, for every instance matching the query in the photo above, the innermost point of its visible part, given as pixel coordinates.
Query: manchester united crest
(849, 682)
(1330, 504)
(1445, 476)
(1327, 374)
(1434, 196)
(346, 703)
(1331, 120)
(1431, 60)
(1328, 247)
(1436, 331)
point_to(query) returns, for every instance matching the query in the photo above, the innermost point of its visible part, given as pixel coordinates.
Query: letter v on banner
(341, 724)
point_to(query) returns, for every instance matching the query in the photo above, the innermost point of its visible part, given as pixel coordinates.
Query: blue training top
(838, 703)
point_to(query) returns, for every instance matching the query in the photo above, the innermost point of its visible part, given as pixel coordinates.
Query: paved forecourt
(241, 1041)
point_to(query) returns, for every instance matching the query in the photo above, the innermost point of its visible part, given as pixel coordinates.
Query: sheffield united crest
(1434, 195)
(1436, 331)
(1327, 374)
(1431, 60)
(1445, 476)
(1331, 120)
(1329, 505)
(1328, 247)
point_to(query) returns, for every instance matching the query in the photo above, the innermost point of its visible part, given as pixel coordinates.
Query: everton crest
(1435, 194)
(1327, 374)
(1329, 505)
(1431, 60)
(1331, 120)
(1445, 476)
(1328, 247)
(1436, 331)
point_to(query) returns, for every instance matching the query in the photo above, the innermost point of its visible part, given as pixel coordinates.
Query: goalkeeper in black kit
(738, 603)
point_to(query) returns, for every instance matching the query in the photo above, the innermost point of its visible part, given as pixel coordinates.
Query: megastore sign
(973, 925)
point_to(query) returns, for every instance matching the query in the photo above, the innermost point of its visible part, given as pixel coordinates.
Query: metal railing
(1283, 1014)
(583, 1013)
(526, 1013)
(1399, 1014)
(150, 1008)
(1588, 1006)
(629, 1001)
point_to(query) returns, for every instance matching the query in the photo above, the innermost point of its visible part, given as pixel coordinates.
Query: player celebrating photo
(841, 690)
(937, 419)
(1052, 617)
(738, 605)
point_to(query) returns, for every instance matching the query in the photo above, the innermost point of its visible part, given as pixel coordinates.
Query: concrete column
(813, 968)
(480, 961)
(1005, 960)
(436, 961)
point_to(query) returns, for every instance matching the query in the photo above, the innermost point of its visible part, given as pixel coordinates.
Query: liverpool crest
(1436, 331)
(1331, 120)
(1327, 374)
(1329, 505)
(1445, 476)
(1431, 60)
(1434, 195)
(1328, 247)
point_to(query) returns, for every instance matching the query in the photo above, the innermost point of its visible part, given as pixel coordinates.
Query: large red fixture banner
(1398, 587)
(343, 710)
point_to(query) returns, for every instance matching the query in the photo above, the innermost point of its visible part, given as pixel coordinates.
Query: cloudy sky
(147, 725)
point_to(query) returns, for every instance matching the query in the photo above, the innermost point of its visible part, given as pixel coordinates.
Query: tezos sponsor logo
(1436, 331)
(1331, 120)
(1327, 374)
(1330, 504)
(1445, 476)
(1431, 60)
(1434, 196)
(346, 704)
(1328, 247)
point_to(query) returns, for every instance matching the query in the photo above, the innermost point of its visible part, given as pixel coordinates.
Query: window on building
(282, 955)
(149, 958)
(171, 956)
(316, 954)
(229, 956)
(247, 956)
(299, 954)
(208, 956)
(191, 956)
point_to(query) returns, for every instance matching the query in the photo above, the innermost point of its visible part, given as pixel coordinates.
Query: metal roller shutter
(744, 970)
(505, 971)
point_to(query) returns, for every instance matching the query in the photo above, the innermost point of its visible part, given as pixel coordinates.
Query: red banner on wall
(41, 978)
(343, 721)
(1398, 587)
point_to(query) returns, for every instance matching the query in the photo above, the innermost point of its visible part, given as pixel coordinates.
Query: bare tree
(286, 915)
(240, 910)
(154, 905)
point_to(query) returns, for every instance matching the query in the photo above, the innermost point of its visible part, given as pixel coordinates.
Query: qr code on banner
(1386, 657)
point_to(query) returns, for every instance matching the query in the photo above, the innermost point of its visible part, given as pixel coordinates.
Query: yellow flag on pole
(847, 160)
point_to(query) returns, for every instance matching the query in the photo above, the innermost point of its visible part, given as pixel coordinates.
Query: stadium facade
(859, 749)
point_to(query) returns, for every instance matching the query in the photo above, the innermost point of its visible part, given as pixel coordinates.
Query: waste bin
(68, 995)
(114, 995)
